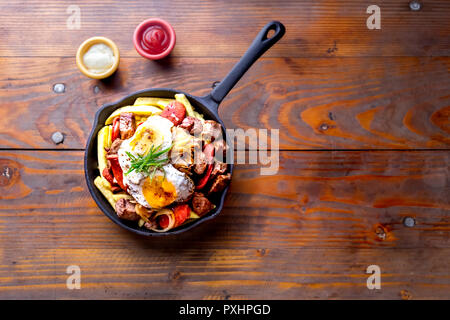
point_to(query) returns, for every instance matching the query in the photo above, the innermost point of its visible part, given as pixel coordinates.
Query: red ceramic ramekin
(139, 34)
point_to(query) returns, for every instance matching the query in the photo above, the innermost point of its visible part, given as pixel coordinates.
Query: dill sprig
(150, 162)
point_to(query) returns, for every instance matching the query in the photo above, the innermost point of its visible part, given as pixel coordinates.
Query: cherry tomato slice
(181, 212)
(115, 129)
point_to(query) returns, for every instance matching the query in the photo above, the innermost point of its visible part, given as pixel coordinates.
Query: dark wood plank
(225, 28)
(317, 199)
(196, 273)
(342, 103)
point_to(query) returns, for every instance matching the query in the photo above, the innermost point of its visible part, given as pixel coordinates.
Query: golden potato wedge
(193, 215)
(151, 101)
(105, 188)
(103, 138)
(137, 110)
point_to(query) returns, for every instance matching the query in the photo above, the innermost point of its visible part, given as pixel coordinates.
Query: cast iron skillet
(207, 105)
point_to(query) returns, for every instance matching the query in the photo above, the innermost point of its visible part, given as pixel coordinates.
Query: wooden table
(364, 120)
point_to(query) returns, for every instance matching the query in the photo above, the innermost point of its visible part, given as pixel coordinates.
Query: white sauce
(99, 58)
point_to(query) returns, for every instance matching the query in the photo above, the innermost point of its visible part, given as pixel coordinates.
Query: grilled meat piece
(220, 183)
(192, 124)
(201, 204)
(151, 225)
(127, 125)
(126, 210)
(114, 147)
(200, 162)
(211, 131)
(219, 168)
(221, 149)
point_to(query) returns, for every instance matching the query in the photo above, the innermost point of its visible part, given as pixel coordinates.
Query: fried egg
(166, 185)
(161, 189)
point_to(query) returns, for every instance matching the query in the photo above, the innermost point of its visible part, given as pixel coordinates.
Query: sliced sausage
(219, 168)
(127, 125)
(126, 210)
(175, 112)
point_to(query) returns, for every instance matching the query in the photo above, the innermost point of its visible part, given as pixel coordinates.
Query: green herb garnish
(149, 162)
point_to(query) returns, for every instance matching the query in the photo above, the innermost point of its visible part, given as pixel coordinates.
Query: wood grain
(317, 199)
(196, 273)
(308, 232)
(322, 28)
(341, 103)
(329, 215)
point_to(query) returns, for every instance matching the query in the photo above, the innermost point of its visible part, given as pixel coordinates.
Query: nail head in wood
(415, 5)
(59, 88)
(57, 137)
(409, 222)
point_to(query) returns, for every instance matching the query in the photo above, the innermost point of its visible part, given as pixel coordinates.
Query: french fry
(105, 188)
(103, 138)
(151, 101)
(137, 110)
(118, 196)
(189, 109)
(109, 137)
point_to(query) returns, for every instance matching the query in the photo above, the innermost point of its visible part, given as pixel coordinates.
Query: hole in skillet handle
(270, 33)
(273, 31)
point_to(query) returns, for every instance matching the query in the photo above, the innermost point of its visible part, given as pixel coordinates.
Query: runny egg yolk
(144, 139)
(158, 191)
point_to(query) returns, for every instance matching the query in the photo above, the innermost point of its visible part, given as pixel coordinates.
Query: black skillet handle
(260, 45)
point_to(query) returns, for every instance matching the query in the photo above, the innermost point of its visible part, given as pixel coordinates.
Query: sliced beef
(199, 162)
(221, 149)
(219, 168)
(127, 125)
(201, 204)
(220, 183)
(192, 124)
(126, 210)
(211, 131)
(187, 123)
(114, 147)
(151, 225)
